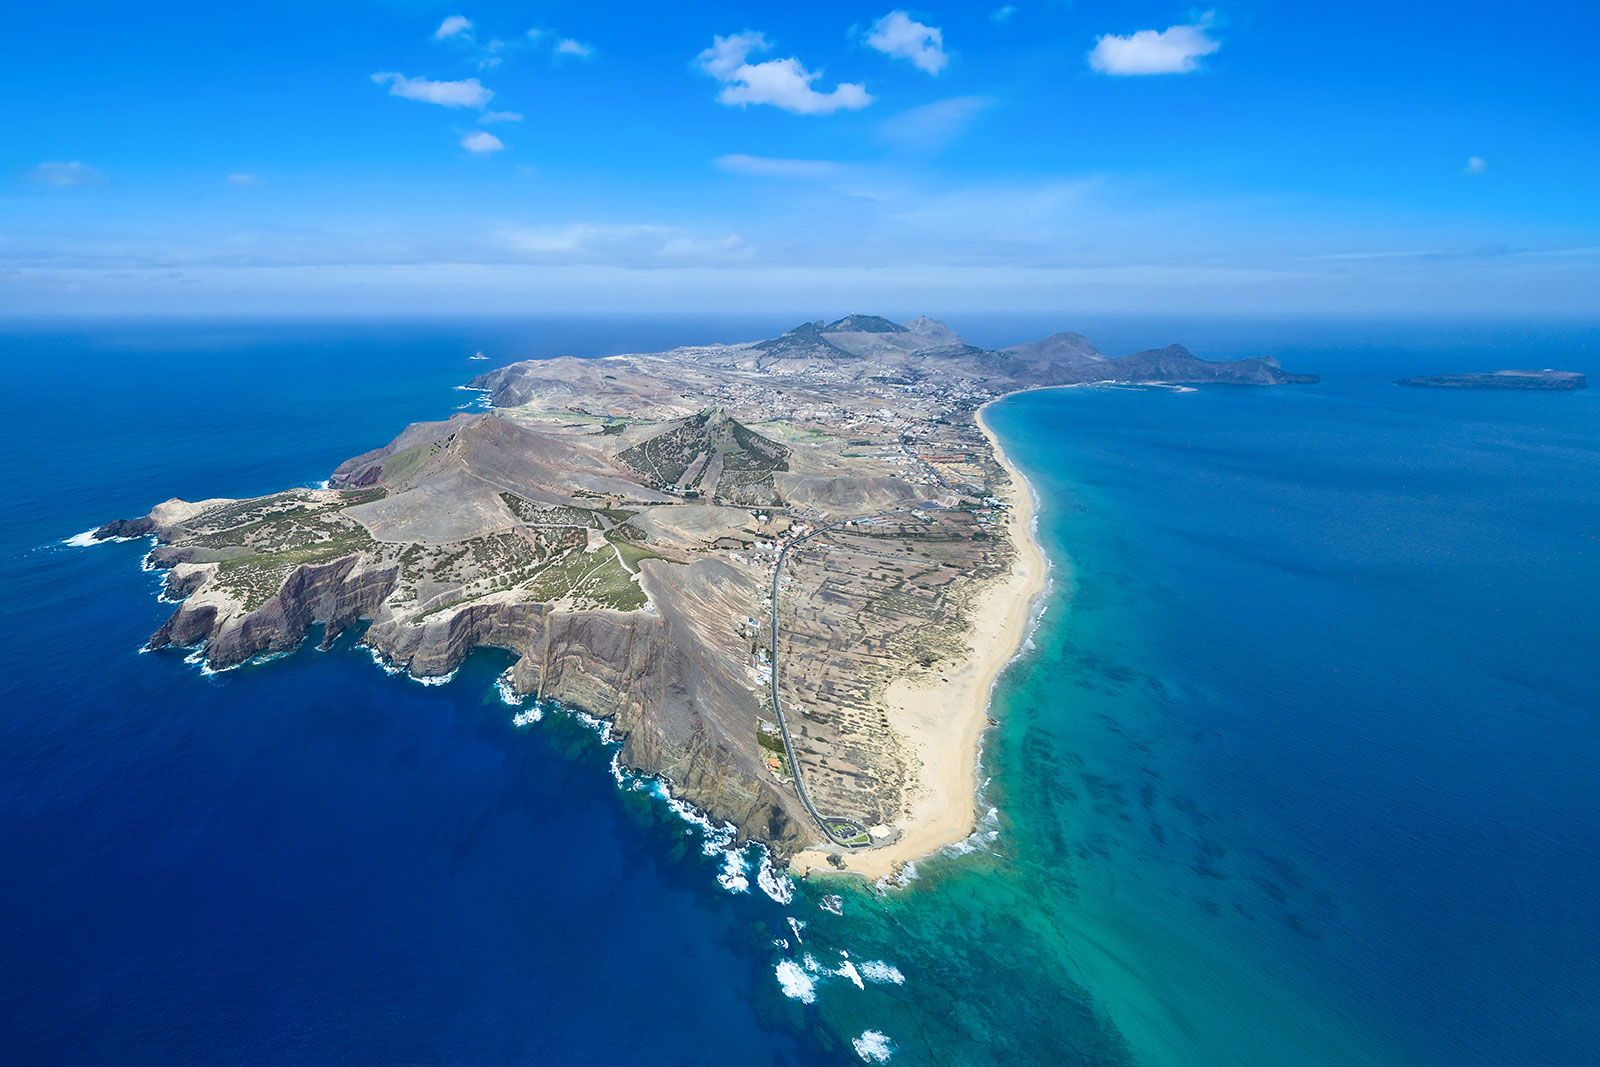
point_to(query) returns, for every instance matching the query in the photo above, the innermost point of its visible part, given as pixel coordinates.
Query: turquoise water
(1299, 767)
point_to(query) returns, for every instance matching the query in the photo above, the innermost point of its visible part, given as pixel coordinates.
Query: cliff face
(653, 675)
(335, 594)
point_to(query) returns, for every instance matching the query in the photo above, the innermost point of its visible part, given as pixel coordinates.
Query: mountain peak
(933, 330)
(864, 324)
(1058, 347)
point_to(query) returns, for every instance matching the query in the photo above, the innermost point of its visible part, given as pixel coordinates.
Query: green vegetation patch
(591, 579)
(633, 554)
(256, 578)
(550, 514)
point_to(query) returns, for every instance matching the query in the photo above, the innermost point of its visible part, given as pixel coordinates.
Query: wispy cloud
(1003, 14)
(468, 92)
(769, 167)
(633, 245)
(490, 117)
(240, 177)
(934, 126)
(898, 34)
(1476, 165)
(567, 46)
(454, 26)
(781, 83)
(481, 143)
(73, 175)
(1174, 50)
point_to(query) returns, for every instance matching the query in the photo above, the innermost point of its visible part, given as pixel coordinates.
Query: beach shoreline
(943, 725)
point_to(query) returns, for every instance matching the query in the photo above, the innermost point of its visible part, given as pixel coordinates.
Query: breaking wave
(795, 982)
(881, 973)
(872, 1046)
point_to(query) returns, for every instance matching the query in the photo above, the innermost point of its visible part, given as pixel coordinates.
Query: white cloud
(1475, 165)
(578, 237)
(931, 127)
(1174, 50)
(898, 34)
(454, 26)
(466, 93)
(1003, 14)
(569, 47)
(66, 175)
(240, 177)
(782, 83)
(489, 117)
(481, 143)
(637, 245)
(769, 167)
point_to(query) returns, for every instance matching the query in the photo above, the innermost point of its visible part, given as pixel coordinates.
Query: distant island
(788, 571)
(1502, 379)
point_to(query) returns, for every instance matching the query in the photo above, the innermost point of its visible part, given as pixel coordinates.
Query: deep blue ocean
(1299, 767)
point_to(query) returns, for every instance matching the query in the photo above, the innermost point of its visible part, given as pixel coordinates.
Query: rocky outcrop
(141, 527)
(335, 594)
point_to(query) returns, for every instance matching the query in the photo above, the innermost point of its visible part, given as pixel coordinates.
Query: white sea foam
(899, 880)
(482, 400)
(832, 903)
(432, 679)
(733, 877)
(872, 1047)
(984, 834)
(83, 540)
(774, 883)
(508, 694)
(383, 664)
(599, 726)
(846, 969)
(146, 564)
(880, 972)
(716, 840)
(797, 925)
(795, 982)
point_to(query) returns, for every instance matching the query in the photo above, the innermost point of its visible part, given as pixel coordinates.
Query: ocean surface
(1298, 768)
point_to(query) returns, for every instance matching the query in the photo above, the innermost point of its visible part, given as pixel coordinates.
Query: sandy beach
(943, 724)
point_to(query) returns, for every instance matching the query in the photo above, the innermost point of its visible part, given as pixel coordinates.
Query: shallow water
(1298, 770)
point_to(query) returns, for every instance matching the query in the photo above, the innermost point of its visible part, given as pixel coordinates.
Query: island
(787, 571)
(1502, 379)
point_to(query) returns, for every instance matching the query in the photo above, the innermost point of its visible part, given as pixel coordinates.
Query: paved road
(831, 827)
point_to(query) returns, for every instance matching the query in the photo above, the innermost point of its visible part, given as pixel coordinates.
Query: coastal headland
(788, 571)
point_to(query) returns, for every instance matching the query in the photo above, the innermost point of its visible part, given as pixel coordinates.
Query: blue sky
(1134, 157)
